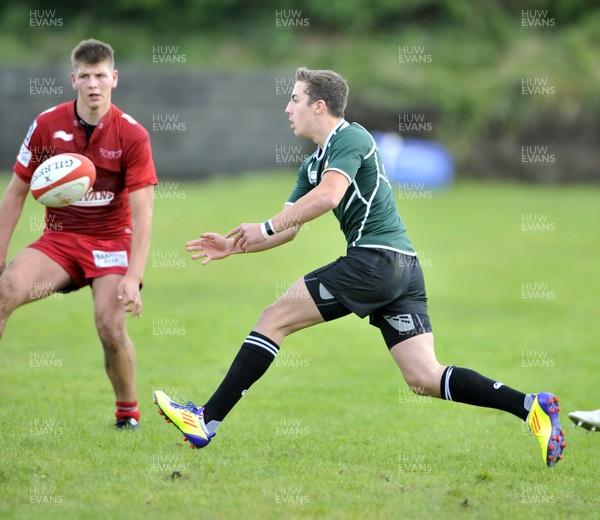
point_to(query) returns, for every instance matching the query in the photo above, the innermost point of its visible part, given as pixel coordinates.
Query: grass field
(331, 431)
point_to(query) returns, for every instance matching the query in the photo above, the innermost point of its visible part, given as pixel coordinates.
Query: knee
(268, 315)
(425, 383)
(271, 323)
(8, 301)
(112, 335)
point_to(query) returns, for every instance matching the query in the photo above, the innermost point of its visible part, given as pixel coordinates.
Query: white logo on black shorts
(324, 293)
(401, 322)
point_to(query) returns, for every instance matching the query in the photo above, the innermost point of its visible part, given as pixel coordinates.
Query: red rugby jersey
(120, 149)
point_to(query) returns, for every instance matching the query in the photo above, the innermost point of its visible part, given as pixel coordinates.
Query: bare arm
(318, 201)
(213, 246)
(141, 202)
(11, 208)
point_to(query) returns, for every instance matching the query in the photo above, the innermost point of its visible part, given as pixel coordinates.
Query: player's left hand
(246, 235)
(128, 293)
(212, 246)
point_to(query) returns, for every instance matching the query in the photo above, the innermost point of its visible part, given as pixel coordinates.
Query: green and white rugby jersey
(367, 213)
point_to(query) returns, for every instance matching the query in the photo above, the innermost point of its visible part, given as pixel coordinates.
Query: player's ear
(115, 78)
(73, 84)
(320, 106)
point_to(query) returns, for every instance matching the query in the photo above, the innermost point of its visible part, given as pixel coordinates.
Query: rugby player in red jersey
(103, 240)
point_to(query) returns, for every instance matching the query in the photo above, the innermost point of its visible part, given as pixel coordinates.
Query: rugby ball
(62, 180)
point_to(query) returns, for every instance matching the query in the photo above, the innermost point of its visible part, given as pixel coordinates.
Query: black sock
(467, 386)
(255, 356)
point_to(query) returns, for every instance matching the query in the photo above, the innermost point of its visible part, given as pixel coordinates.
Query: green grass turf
(331, 431)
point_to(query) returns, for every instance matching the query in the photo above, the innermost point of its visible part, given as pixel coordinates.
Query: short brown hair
(92, 52)
(326, 85)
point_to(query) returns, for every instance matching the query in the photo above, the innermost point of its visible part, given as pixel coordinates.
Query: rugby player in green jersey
(379, 276)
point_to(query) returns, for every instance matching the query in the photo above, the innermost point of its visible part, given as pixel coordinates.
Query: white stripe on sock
(448, 396)
(259, 342)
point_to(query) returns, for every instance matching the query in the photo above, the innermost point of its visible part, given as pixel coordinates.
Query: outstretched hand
(212, 246)
(246, 235)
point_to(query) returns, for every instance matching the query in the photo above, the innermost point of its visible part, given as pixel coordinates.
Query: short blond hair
(92, 52)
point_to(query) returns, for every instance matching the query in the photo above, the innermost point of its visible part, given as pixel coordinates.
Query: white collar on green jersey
(320, 151)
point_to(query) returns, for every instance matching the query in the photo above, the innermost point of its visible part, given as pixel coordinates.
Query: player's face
(94, 84)
(300, 113)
